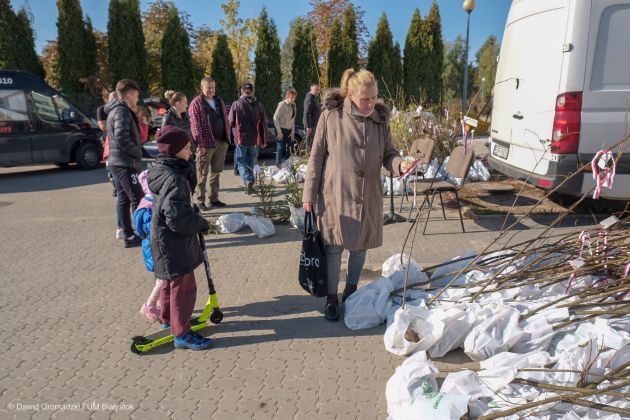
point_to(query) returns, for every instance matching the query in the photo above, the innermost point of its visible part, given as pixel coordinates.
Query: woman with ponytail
(343, 180)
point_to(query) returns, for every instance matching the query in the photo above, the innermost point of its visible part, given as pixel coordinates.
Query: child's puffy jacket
(142, 222)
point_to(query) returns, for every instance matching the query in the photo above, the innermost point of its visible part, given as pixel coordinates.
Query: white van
(562, 92)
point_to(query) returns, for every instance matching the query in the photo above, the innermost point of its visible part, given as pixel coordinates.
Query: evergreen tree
(305, 65)
(487, 68)
(127, 52)
(73, 57)
(434, 63)
(286, 55)
(8, 50)
(25, 43)
(337, 58)
(90, 49)
(268, 79)
(350, 40)
(384, 60)
(414, 59)
(397, 71)
(222, 70)
(177, 67)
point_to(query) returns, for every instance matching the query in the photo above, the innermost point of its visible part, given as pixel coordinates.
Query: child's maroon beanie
(171, 140)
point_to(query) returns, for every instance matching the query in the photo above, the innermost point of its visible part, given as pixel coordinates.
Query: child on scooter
(174, 236)
(142, 222)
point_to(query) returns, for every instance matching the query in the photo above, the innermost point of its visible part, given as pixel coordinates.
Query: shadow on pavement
(247, 237)
(269, 323)
(49, 178)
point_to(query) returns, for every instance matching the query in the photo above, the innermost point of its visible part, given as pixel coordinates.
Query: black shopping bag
(313, 274)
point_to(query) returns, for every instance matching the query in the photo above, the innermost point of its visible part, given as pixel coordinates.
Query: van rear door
(527, 83)
(606, 96)
(15, 128)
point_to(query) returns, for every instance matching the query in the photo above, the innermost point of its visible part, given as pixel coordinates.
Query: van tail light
(566, 123)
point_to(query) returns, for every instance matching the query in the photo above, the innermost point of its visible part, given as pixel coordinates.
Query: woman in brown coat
(351, 144)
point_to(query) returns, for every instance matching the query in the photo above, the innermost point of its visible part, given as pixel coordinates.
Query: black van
(40, 125)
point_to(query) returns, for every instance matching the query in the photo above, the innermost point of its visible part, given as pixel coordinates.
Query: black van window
(45, 107)
(13, 106)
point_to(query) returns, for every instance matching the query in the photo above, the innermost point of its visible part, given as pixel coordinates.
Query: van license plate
(501, 151)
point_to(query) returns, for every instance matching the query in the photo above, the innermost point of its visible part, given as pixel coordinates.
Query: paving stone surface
(71, 295)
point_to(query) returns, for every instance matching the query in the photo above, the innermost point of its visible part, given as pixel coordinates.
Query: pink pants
(177, 302)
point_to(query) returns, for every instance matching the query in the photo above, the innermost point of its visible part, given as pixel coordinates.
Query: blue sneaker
(166, 326)
(192, 341)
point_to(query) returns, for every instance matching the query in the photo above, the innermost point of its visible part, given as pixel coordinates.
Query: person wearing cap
(247, 117)
(174, 235)
(125, 155)
(312, 111)
(211, 133)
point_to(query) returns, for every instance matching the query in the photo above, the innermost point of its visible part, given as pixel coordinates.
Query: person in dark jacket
(248, 118)
(174, 236)
(176, 114)
(211, 133)
(125, 155)
(312, 111)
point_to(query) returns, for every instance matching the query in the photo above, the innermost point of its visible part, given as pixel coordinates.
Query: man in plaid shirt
(211, 133)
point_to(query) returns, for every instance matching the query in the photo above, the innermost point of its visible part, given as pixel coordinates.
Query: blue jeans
(283, 147)
(246, 157)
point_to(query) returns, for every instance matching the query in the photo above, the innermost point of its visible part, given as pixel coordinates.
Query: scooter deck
(142, 344)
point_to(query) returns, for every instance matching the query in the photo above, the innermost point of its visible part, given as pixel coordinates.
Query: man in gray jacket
(125, 155)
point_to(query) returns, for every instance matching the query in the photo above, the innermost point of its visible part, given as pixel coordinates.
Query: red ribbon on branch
(603, 174)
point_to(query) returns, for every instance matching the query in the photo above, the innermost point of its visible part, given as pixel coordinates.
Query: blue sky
(488, 18)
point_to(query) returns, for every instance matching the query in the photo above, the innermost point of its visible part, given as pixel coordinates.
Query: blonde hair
(352, 81)
(173, 97)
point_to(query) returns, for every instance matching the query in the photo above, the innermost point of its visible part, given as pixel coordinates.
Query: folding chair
(422, 150)
(458, 166)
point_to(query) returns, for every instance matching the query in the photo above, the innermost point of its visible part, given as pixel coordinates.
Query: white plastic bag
(535, 359)
(413, 330)
(369, 305)
(282, 176)
(270, 171)
(458, 320)
(262, 226)
(484, 174)
(297, 217)
(230, 223)
(538, 331)
(494, 335)
(395, 271)
(412, 394)
(478, 384)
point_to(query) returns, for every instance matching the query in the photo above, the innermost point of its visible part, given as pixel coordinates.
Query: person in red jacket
(248, 118)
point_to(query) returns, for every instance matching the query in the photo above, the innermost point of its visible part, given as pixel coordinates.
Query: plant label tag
(576, 263)
(606, 223)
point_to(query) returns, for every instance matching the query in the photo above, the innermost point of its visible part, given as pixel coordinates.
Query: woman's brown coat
(344, 173)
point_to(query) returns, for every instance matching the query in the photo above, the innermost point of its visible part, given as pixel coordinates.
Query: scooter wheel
(138, 340)
(216, 316)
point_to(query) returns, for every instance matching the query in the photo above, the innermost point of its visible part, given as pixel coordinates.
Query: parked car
(561, 93)
(38, 124)
(158, 109)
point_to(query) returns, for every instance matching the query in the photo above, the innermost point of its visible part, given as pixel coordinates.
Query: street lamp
(468, 6)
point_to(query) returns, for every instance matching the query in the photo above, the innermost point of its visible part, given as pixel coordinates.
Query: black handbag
(313, 274)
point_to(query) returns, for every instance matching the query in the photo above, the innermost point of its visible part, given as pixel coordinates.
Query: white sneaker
(120, 234)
